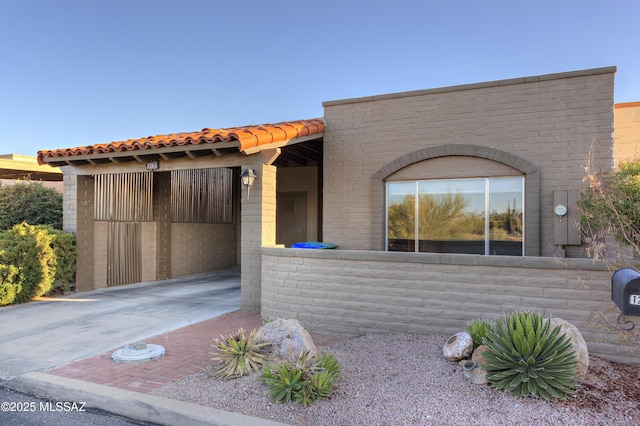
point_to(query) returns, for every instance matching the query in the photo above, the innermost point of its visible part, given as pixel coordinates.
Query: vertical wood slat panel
(202, 196)
(124, 253)
(125, 197)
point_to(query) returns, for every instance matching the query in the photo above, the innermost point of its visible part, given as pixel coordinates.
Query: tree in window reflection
(447, 217)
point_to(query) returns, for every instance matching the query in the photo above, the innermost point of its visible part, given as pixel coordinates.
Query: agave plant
(304, 381)
(284, 382)
(526, 357)
(479, 329)
(239, 355)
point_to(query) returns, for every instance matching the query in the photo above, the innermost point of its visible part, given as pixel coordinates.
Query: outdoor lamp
(248, 176)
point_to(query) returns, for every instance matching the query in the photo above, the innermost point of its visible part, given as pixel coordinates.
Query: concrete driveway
(43, 334)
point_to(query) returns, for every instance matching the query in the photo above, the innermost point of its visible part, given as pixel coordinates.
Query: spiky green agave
(239, 355)
(303, 381)
(527, 358)
(479, 329)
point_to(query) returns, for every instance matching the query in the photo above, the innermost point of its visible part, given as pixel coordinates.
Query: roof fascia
(256, 149)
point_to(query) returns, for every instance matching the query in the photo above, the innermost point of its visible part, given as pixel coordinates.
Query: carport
(173, 205)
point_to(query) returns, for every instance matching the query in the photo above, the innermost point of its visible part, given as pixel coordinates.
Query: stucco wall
(549, 121)
(361, 292)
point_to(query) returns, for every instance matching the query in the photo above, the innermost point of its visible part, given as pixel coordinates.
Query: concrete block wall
(202, 247)
(549, 121)
(258, 228)
(82, 197)
(627, 131)
(361, 292)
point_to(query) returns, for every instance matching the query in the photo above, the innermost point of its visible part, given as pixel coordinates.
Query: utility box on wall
(565, 218)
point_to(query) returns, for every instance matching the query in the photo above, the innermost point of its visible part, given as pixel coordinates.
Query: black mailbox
(625, 291)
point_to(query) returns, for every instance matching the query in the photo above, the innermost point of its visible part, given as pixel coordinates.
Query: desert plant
(239, 355)
(304, 381)
(283, 381)
(526, 357)
(479, 329)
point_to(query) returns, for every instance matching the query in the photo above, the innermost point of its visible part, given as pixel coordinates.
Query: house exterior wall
(548, 122)
(303, 179)
(258, 228)
(627, 131)
(363, 292)
(202, 247)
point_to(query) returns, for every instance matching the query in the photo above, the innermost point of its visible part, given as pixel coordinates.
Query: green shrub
(526, 357)
(304, 381)
(239, 355)
(29, 202)
(479, 329)
(29, 248)
(10, 284)
(64, 247)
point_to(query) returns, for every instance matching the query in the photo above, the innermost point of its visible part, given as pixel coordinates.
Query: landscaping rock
(477, 354)
(577, 344)
(479, 376)
(289, 339)
(459, 346)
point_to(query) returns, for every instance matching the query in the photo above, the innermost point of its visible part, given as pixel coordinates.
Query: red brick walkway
(188, 351)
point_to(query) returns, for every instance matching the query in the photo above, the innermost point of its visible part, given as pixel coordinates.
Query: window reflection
(474, 216)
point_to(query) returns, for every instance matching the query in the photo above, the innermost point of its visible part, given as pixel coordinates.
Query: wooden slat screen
(124, 253)
(125, 197)
(202, 195)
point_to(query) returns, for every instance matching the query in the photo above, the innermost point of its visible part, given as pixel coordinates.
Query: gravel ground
(404, 380)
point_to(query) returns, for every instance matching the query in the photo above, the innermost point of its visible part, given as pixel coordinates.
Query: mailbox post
(625, 293)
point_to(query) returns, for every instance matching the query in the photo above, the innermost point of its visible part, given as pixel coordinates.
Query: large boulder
(289, 340)
(459, 346)
(577, 344)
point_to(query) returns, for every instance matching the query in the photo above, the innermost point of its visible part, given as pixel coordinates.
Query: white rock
(289, 339)
(459, 346)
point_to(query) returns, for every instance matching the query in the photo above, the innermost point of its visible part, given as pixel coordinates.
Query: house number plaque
(634, 299)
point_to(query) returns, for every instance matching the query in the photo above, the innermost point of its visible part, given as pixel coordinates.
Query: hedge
(33, 260)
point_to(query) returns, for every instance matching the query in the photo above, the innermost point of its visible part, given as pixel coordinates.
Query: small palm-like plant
(239, 355)
(479, 329)
(527, 358)
(303, 381)
(284, 381)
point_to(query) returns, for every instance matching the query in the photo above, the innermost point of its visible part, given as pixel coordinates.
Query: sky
(82, 72)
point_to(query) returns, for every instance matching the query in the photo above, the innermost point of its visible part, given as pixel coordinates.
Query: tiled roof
(247, 137)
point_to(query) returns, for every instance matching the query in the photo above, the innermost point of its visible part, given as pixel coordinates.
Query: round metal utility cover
(138, 352)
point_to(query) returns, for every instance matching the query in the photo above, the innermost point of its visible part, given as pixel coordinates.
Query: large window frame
(483, 225)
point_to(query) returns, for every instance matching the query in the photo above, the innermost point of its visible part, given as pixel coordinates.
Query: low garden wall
(360, 292)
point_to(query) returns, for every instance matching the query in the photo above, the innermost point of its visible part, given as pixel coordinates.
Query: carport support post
(257, 229)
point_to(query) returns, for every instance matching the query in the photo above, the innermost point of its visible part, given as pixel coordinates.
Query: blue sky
(81, 72)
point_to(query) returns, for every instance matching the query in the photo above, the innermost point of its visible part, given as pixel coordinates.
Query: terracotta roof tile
(248, 137)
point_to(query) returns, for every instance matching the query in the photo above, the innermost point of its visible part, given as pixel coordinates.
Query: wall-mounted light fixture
(248, 176)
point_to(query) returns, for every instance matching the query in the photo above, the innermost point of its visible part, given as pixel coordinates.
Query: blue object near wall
(313, 245)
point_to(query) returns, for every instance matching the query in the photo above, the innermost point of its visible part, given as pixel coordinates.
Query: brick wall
(361, 292)
(548, 121)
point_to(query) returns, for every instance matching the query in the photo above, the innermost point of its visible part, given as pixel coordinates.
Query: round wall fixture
(138, 352)
(560, 210)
